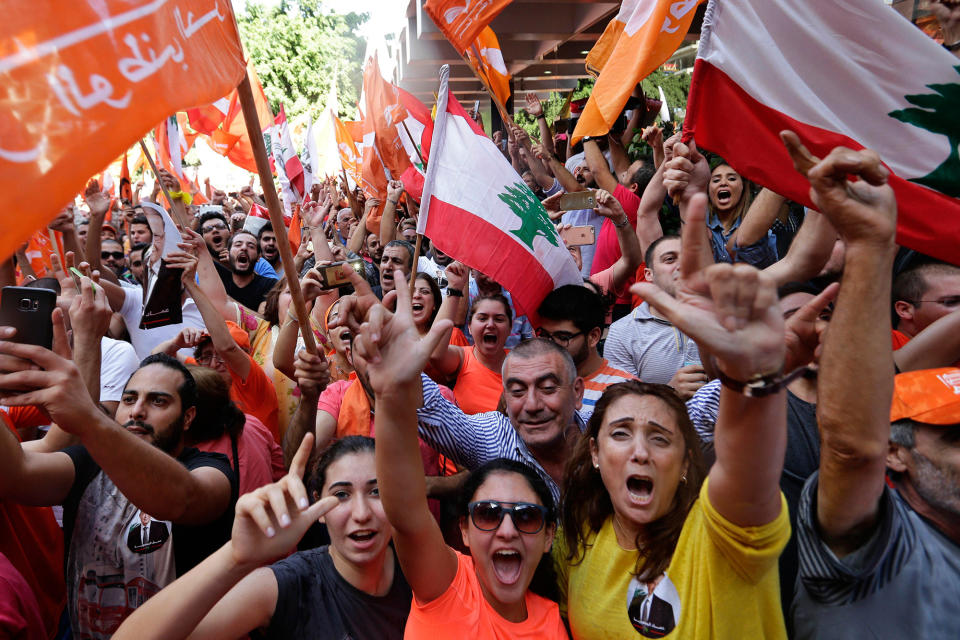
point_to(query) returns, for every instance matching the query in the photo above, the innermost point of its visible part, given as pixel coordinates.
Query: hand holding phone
(336, 274)
(578, 200)
(28, 309)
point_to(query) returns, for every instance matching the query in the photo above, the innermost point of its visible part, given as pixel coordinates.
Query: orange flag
(373, 177)
(126, 189)
(486, 59)
(355, 129)
(384, 112)
(78, 87)
(461, 21)
(637, 41)
(349, 156)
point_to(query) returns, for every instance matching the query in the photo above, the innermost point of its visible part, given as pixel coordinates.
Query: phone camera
(26, 304)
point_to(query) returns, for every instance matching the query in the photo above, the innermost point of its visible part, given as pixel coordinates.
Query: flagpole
(156, 173)
(413, 142)
(486, 85)
(416, 258)
(245, 94)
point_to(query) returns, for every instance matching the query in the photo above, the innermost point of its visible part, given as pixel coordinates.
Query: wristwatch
(456, 293)
(621, 225)
(952, 47)
(760, 386)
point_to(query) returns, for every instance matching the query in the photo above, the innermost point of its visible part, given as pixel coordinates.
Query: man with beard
(573, 317)
(111, 256)
(215, 231)
(241, 282)
(120, 468)
(647, 345)
(398, 254)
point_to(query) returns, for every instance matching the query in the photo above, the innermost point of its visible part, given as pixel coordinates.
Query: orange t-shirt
(463, 611)
(478, 389)
(257, 396)
(899, 339)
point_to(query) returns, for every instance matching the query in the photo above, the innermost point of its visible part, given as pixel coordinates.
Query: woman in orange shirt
(474, 372)
(507, 512)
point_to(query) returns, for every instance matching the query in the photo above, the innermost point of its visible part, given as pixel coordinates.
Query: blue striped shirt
(473, 440)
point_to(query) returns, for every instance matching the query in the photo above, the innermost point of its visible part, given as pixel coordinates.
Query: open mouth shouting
(363, 539)
(507, 565)
(490, 338)
(640, 490)
(724, 197)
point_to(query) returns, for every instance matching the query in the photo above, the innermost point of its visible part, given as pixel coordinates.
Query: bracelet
(952, 47)
(621, 225)
(292, 318)
(182, 195)
(456, 293)
(760, 386)
(542, 117)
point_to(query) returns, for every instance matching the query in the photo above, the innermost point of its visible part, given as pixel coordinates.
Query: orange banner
(80, 82)
(384, 112)
(461, 21)
(349, 156)
(641, 38)
(232, 133)
(486, 59)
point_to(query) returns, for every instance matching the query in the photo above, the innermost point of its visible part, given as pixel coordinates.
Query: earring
(684, 478)
(596, 465)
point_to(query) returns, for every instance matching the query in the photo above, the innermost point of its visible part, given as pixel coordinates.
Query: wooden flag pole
(486, 85)
(156, 174)
(413, 269)
(414, 143)
(245, 94)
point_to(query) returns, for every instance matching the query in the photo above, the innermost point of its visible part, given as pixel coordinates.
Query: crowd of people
(746, 430)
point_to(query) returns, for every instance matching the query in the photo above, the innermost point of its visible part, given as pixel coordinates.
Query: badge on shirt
(653, 607)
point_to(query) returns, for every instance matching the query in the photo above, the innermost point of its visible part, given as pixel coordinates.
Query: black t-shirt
(314, 601)
(249, 296)
(119, 556)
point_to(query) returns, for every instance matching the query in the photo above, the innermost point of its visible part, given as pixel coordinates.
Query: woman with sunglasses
(507, 517)
(649, 547)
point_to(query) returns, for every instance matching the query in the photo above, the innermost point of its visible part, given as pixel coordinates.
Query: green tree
(533, 218)
(937, 113)
(299, 49)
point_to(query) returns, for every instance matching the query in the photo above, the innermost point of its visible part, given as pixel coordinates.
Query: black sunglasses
(116, 255)
(526, 516)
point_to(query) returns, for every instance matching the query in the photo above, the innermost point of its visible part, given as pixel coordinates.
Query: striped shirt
(596, 382)
(648, 347)
(904, 582)
(473, 440)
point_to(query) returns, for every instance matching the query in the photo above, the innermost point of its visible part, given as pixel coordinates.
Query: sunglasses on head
(487, 515)
(116, 255)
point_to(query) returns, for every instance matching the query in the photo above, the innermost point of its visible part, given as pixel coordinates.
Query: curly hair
(586, 501)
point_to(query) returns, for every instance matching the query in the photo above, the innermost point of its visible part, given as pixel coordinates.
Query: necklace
(623, 530)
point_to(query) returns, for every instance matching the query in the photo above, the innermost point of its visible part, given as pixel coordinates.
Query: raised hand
(609, 207)
(63, 222)
(533, 106)
(312, 373)
(271, 520)
(730, 309)
(802, 331)
(457, 275)
(169, 180)
(90, 312)
(391, 343)
(193, 242)
(552, 206)
(862, 212)
(686, 173)
(96, 200)
(185, 260)
(394, 190)
(653, 136)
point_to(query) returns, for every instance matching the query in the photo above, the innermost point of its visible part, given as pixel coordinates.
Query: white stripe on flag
(439, 129)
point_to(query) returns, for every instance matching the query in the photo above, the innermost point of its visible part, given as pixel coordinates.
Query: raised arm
(98, 203)
(559, 170)
(313, 214)
(598, 166)
(649, 228)
(227, 348)
(855, 384)
(732, 310)
(759, 217)
(447, 358)
(809, 251)
(388, 222)
(208, 278)
(938, 345)
(226, 596)
(396, 355)
(535, 108)
(630, 257)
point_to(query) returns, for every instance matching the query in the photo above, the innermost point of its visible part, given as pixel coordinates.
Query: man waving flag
(827, 76)
(478, 210)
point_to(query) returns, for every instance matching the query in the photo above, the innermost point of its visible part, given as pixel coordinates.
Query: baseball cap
(929, 396)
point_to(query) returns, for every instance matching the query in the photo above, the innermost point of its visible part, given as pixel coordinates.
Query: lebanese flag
(411, 129)
(825, 70)
(256, 218)
(208, 118)
(477, 209)
(287, 163)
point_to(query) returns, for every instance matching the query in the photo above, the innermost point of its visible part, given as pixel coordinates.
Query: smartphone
(578, 200)
(28, 310)
(336, 274)
(578, 236)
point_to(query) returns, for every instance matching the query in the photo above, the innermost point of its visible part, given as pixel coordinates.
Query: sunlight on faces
(490, 327)
(505, 559)
(540, 400)
(358, 527)
(726, 188)
(150, 407)
(642, 456)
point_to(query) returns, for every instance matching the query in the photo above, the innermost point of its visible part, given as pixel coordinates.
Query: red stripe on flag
(725, 119)
(456, 232)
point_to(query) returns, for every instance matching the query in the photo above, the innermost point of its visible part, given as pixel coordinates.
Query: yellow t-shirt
(722, 582)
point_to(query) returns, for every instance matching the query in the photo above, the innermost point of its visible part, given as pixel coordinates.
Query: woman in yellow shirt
(649, 548)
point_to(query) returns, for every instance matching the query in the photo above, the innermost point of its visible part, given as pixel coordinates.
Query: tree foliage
(299, 49)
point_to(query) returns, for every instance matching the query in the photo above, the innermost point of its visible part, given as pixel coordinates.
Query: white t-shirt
(118, 361)
(145, 340)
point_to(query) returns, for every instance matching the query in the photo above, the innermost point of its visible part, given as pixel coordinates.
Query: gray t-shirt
(648, 347)
(902, 583)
